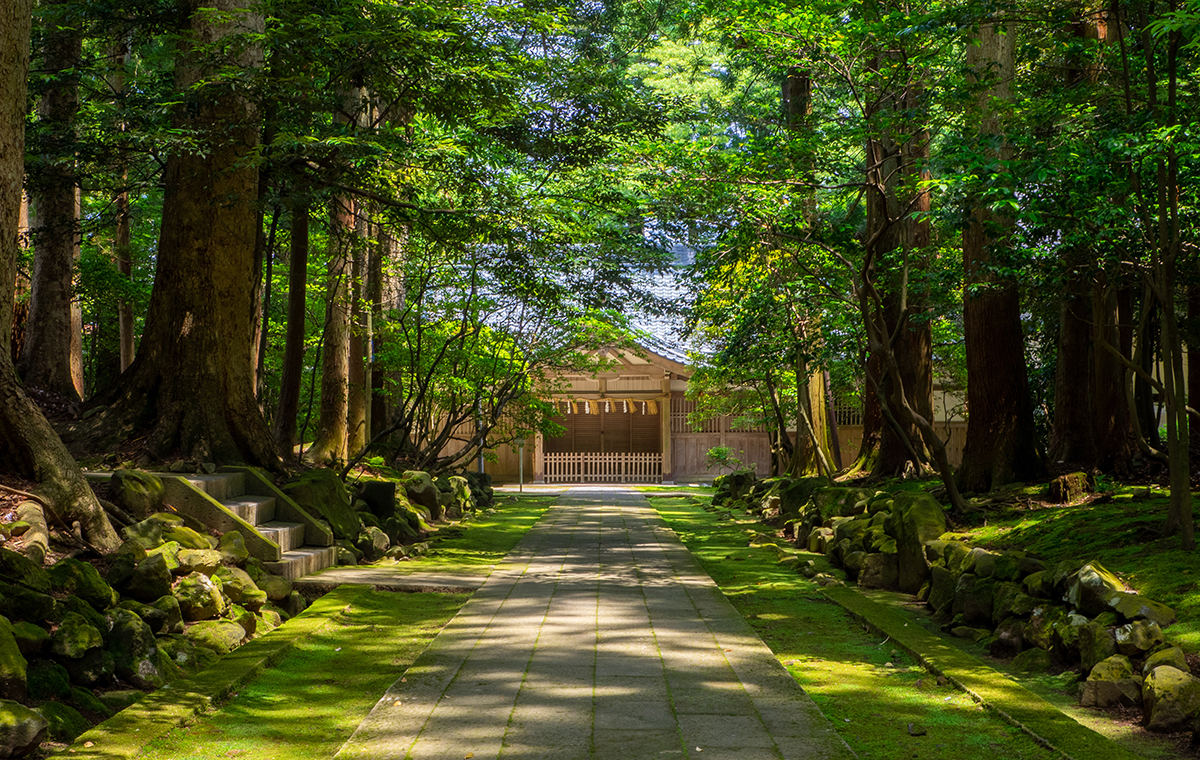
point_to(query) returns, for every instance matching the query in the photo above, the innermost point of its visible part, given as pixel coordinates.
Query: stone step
(302, 561)
(255, 510)
(288, 535)
(220, 486)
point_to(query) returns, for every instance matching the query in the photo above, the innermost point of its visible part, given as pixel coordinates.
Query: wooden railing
(595, 467)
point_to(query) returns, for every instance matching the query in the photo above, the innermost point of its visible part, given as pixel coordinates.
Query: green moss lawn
(307, 705)
(869, 690)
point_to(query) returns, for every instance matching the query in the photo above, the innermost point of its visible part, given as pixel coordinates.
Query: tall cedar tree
(190, 390)
(28, 446)
(1001, 442)
(52, 358)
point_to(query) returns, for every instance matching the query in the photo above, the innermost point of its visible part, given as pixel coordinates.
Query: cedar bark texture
(28, 445)
(190, 391)
(51, 359)
(1072, 439)
(293, 348)
(1001, 444)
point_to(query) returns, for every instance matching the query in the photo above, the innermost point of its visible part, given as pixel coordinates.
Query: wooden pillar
(664, 411)
(539, 476)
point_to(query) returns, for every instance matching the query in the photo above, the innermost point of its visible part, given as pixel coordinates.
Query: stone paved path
(600, 637)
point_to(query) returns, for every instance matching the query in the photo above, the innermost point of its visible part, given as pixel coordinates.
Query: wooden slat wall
(615, 431)
(690, 447)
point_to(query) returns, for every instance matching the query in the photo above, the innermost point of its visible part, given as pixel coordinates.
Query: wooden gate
(596, 467)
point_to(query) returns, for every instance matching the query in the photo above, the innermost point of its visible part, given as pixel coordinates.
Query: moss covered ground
(1122, 529)
(876, 696)
(311, 701)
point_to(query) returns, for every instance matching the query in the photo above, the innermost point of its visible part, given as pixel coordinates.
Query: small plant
(722, 458)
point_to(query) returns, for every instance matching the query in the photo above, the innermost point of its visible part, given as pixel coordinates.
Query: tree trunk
(121, 207)
(190, 390)
(330, 442)
(1193, 364)
(1112, 324)
(897, 154)
(386, 284)
(292, 373)
(872, 417)
(28, 446)
(1072, 441)
(356, 407)
(52, 356)
(1001, 444)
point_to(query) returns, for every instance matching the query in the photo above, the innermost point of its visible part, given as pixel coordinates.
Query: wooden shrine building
(630, 425)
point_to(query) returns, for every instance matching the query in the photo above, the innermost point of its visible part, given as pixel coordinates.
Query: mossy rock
(151, 579)
(1090, 588)
(155, 618)
(221, 636)
(138, 493)
(1172, 656)
(120, 568)
(322, 492)
(21, 603)
(245, 618)
(86, 701)
(233, 548)
(254, 568)
(20, 569)
(96, 665)
(170, 551)
(169, 606)
(74, 637)
(276, 587)
(80, 579)
(64, 722)
(185, 655)
(205, 561)
(974, 599)
(1096, 643)
(1132, 607)
(31, 639)
(1136, 638)
(89, 613)
(13, 665)
(399, 530)
(372, 542)
(295, 604)
(240, 588)
(132, 646)
(186, 537)
(199, 597)
(835, 501)
(1032, 661)
(268, 620)
(917, 518)
(21, 729)
(1171, 699)
(147, 533)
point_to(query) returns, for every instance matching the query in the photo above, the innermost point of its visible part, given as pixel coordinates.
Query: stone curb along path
(599, 636)
(125, 734)
(1041, 720)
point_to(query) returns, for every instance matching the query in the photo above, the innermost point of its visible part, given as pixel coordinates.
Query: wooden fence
(595, 467)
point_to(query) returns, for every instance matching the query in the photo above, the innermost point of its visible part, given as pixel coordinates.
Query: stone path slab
(598, 636)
